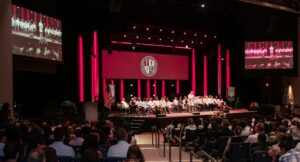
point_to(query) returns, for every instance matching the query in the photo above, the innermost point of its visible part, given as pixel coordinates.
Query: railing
(153, 135)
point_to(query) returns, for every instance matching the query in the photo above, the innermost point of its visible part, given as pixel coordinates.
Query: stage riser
(162, 122)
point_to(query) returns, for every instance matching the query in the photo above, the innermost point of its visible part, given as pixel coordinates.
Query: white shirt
(62, 149)
(124, 104)
(252, 138)
(118, 150)
(190, 96)
(175, 102)
(246, 131)
(76, 141)
(41, 27)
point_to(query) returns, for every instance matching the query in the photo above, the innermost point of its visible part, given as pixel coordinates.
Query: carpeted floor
(153, 154)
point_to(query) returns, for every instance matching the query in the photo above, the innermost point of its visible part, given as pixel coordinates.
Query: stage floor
(146, 122)
(183, 114)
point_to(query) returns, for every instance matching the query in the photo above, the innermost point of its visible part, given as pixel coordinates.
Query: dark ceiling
(115, 18)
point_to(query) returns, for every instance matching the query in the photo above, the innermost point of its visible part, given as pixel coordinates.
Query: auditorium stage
(149, 120)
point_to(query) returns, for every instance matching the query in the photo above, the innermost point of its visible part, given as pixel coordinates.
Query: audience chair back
(261, 156)
(238, 152)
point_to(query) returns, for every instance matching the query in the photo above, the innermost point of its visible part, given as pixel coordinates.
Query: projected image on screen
(35, 35)
(269, 55)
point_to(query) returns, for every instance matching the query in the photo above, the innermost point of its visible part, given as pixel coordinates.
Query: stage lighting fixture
(153, 85)
(205, 35)
(182, 41)
(124, 35)
(147, 29)
(133, 46)
(184, 33)
(137, 37)
(201, 42)
(186, 46)
(131, 95)
(195, 34)
(131, 85)
(192, 42)
(159, 39)
(172, 85)
(222, 59)
(149, 38)
(160, 30)
(173, 32)
(172, 40)
(134, 27)
(215, 36)
(202, 5)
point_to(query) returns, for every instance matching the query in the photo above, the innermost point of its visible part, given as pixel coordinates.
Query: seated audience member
(36, 155)
(246, 129)
(262, 144)
(224, 131)
(50, 155)
(134, 153)
(78, 140)
(11, 152)
(131, 139)
(60, 148)
(275, 149)
(294, 129)
(89, 155)
(91, 143)
(120, 149)
(259, 128)
(237, 131)
(35, 141)
(2, 143)
(290, 154)
(191, 125)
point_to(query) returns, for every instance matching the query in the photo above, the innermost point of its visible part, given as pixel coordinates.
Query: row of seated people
(216, 137)
(100, 141)
(189, 104)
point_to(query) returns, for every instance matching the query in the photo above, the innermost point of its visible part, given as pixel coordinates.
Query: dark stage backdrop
(140, 65)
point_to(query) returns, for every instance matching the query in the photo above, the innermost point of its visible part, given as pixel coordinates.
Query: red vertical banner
(148, 89)
(227, 71)
(47, 21)
(22, 13)
(154, 88)
(163, 88)
(28, 15)
(193, 71)
(205, 87)
(112, 82)
(81, 69)
(57, 23)
(14, 10)
(220, 70)
(51, 22)
(121, 89)
(35, 19)
(139, 88)
(177, 86)
(41, 18)
(95, 68)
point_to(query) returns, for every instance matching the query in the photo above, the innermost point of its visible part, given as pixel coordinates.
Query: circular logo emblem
(149, 66)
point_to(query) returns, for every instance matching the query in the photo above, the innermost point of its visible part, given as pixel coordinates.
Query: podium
(91, 111)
